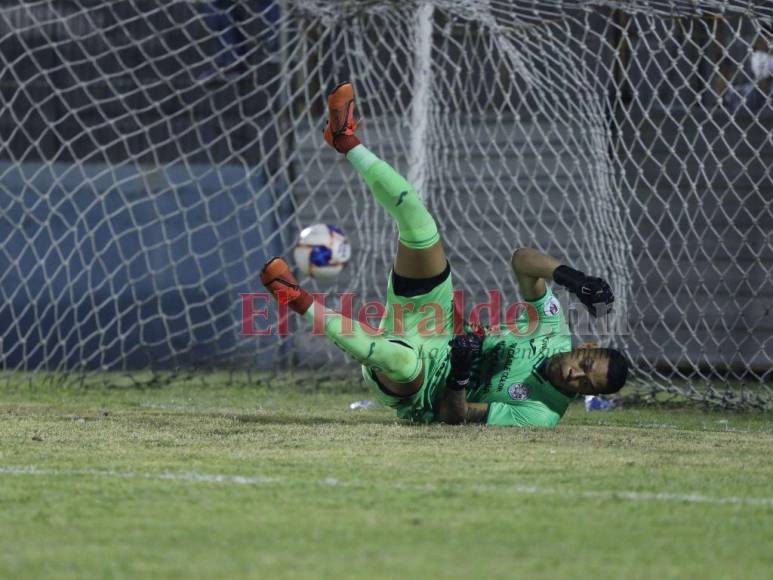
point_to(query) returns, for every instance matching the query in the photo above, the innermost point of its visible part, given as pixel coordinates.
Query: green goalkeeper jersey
(507, 375)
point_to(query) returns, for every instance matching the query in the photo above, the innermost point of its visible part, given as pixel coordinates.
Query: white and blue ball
(322, 251)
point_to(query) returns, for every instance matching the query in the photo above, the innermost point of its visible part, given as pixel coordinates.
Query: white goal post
(155, 153)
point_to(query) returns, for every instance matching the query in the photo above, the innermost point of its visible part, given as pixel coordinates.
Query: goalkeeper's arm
(453, 407)
(531, 268)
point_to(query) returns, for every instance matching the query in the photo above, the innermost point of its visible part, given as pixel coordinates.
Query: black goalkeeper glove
(465, 349)
(593, 292)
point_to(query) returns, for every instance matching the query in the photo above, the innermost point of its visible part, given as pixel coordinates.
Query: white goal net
(156, 153)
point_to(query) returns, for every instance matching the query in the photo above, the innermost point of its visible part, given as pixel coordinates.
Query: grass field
(284, 481)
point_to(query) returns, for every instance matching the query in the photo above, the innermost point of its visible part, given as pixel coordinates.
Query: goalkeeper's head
(588, 371)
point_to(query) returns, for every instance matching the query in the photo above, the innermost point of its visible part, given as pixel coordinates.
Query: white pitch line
(257, 480)
(163, 475)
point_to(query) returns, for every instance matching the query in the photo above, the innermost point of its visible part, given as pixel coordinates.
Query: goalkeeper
(517, 376)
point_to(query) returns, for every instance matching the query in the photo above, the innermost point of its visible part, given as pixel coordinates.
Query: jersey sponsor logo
(518, 391)
(552, 306)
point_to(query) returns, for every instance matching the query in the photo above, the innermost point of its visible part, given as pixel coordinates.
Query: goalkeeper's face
(587, 371)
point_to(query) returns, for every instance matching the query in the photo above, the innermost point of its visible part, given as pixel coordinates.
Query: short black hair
(617, 370)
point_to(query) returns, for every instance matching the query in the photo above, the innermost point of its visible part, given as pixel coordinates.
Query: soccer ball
(322, 251)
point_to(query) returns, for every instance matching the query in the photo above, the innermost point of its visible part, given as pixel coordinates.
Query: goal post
(155, 154)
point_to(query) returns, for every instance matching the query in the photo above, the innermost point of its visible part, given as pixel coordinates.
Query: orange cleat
(279, 280)
(341, 124)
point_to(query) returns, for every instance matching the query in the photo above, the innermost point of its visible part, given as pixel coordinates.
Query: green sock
(416, 225)
(400, 363)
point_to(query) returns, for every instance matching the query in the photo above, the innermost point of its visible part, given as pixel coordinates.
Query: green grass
(283, 481)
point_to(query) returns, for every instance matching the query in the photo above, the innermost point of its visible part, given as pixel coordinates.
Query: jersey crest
(552, 306)
(518, 391)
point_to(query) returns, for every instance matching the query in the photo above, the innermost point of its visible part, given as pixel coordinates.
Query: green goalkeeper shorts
(426, 323)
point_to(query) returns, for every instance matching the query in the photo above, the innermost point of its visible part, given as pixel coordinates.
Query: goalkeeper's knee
(402, 364)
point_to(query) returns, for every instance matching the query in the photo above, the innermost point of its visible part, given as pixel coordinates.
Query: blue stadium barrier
(105, 267)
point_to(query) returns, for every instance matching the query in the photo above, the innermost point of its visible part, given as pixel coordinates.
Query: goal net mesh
(155, 154)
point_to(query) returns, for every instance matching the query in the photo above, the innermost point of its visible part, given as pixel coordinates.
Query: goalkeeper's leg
(420, 253)
(398, 363)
